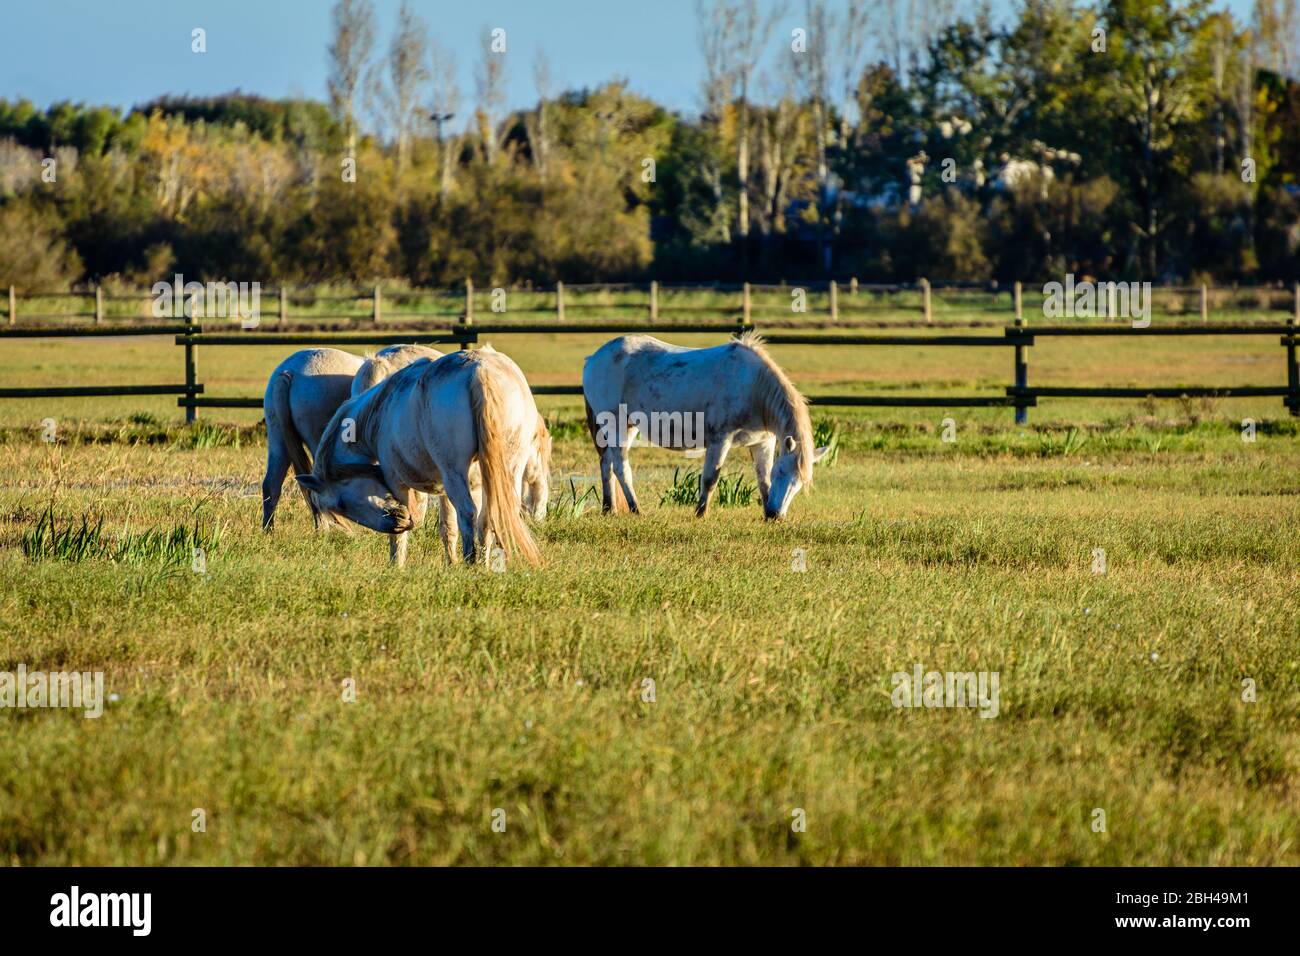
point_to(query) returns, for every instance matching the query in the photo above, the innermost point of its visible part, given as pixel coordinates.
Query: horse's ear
(820, 453)
(789, 444)
(310, 482)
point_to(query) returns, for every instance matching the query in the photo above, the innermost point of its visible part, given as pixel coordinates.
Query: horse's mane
(781, 403)
(366, 411)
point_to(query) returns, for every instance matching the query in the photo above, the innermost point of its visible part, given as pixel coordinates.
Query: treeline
(887, 139)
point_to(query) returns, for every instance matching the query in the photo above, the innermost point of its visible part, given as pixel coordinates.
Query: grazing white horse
(420, 430)
(535, 492)
(385, 362)
(309, 386)
(302, 394)
(682, 398)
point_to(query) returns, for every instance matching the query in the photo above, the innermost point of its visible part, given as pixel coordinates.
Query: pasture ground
(524, 690)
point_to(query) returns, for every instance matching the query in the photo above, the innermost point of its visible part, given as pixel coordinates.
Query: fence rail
(465, 332)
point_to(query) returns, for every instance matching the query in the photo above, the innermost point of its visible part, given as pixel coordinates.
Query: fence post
(468, 318)
(99, 304)
(191, 362)
(559, 301)
(654, 300)
(1022, 360)
(378, 305)
(1205, 303)
(853, 285)
(13, 307)
(284, 308)
(835, 301)
(746, 307)
(1292, 370)
(925, 300)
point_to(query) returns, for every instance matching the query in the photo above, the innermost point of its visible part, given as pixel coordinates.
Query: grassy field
(525, 692)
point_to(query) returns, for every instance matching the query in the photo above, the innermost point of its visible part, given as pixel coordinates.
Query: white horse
(535, 491)
(420, 430)
(303, 393)
(682, 398)
(385, 362)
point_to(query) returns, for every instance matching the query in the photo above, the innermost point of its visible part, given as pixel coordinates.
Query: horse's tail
(618, 503)
(500, 494)
(280, 414)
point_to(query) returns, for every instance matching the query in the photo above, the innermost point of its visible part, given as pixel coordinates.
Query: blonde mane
(365, 411)
(785, 411)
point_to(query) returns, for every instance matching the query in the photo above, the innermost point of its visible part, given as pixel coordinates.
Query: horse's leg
(764, 453)
(447, 528)
(607, 480)
(277, 467)
(456, 488)
(714, 456)
(623, 472)
(416, 503)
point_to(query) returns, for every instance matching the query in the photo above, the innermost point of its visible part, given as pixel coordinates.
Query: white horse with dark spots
(680, 398)
(421, 430)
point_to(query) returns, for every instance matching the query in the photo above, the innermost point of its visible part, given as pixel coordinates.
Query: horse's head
(787, 478)
(358, 493)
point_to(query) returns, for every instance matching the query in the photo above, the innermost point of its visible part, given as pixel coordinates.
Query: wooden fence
(464, 332)
(784, 304)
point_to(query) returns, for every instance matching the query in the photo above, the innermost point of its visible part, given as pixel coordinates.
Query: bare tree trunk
(490, 84)
(443, 103)
(349, 51)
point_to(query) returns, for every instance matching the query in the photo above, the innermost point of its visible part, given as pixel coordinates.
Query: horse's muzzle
(401, 520)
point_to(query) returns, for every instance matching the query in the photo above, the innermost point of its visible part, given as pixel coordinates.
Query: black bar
(1025, 907)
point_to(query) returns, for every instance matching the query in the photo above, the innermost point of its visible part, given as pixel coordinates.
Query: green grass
(53, 540)
(524, 690)
(731, 491)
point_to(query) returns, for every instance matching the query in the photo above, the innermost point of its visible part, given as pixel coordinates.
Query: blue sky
(124, 52)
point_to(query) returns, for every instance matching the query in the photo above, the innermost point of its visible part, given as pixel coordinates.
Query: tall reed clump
(87, 541)
(570, 503)
(730, 492)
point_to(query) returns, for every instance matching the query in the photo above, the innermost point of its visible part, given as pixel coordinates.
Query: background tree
(348, 54)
